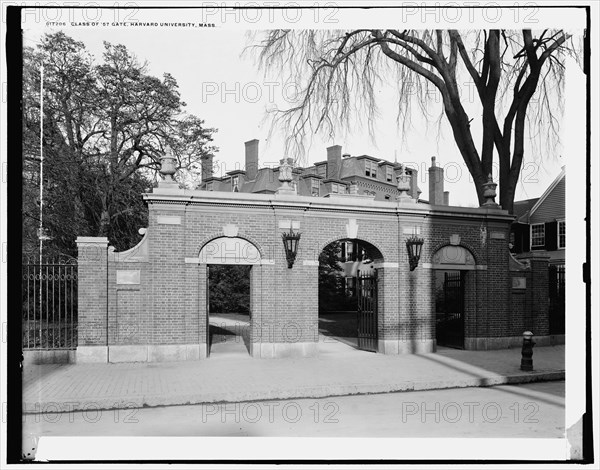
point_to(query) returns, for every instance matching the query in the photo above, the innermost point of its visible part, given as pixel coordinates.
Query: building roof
(549, 191)
(522, 208)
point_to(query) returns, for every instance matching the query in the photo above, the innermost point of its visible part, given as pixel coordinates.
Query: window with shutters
(538, 235)
(562, 234)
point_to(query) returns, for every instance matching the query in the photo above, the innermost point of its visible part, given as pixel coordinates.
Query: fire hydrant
(527, 351)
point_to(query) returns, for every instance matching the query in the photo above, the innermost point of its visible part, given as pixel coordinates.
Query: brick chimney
(446, 198)
(251, 159)
(436, 184)
(334, 161)
(207, 166)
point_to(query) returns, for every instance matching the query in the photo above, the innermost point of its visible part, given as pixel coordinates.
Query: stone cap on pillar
(91, 249)
(92, 241)
(533, 255)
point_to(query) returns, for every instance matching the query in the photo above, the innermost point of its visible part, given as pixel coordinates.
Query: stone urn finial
(403, 184)
(167, 166)
(286, 165)
(489, 192)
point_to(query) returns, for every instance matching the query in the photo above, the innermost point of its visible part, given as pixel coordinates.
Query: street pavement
(506, 411)
(232, 376)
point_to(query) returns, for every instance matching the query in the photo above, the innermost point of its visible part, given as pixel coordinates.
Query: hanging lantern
(414, 245)
(290, 244)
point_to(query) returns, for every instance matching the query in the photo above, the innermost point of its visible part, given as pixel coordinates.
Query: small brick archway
(454, 292)
(235, 250)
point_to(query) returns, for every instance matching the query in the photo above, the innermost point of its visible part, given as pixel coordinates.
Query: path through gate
(366, 291)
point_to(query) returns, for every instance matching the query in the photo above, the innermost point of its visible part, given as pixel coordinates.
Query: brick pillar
(92, 299)
(203, 310)
(536, 319)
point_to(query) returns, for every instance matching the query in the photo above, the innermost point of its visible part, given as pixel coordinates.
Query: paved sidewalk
(339, 370)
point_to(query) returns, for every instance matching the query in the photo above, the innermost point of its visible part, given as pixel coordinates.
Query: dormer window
(371, 169)
(315, 185)
(235, 183)
(209, 186)
(389, 173)
(322, 170)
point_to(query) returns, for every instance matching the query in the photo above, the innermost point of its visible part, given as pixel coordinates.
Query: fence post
(92, 299)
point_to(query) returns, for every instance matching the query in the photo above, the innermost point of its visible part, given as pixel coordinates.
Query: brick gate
(149, 303)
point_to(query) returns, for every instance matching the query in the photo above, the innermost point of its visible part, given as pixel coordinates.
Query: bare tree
(340, 72)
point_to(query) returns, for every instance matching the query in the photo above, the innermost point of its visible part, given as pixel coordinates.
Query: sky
(225, 87)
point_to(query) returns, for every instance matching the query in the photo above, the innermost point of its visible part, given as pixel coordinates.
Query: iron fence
(556, 284)
(49, 304)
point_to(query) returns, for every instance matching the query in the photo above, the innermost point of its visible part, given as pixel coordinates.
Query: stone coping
(195, 197)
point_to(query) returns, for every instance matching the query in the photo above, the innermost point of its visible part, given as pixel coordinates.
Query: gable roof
(525, 208)
(548, 191)
(522, 208)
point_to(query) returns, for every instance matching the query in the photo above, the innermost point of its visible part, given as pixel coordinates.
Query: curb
(150, 401)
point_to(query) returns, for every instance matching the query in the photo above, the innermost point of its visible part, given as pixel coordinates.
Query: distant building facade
(338, 174)
(540, 225)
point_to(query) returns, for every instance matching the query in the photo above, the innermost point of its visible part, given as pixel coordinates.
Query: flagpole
(40, 234)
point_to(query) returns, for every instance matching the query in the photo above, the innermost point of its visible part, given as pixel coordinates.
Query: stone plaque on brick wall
(168, 220)
(519, 283)
(129, 276)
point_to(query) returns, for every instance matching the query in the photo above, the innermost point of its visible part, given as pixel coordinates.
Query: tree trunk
(104, 224)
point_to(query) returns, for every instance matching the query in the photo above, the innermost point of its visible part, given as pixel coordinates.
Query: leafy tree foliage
(106, 125)
(331, 288)
(229, 289)
(517, 75)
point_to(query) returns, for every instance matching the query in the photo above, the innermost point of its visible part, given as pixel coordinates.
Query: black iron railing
(49, 304)
(556, 294)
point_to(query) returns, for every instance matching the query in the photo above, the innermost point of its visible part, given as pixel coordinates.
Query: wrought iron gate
(366, 292)
(450, 327)
(49, 304)
(556, 283)
(208, 335)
